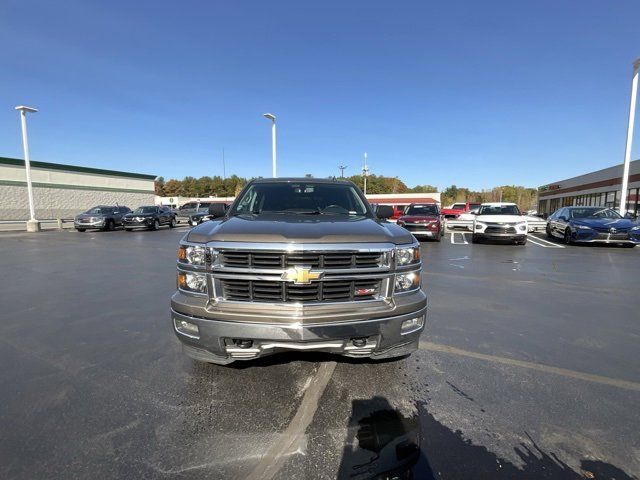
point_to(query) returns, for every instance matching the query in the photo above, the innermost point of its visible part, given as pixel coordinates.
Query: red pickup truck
(457, 208)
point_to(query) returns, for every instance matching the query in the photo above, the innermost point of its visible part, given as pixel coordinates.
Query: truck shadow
(383, 444)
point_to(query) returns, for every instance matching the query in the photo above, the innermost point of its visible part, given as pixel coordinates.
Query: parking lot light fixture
(627, 150)
(32, 224)
(272, 117)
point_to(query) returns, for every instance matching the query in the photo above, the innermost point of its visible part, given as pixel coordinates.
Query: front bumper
(378, 337)
(587, 236)
(147, 222)
(500, 236)
(96, 224)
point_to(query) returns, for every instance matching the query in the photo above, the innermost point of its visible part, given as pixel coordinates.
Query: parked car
(103, 217)
(298, 264)
(151, 217)
(500, 221)
(456, 209)
(192, 212)
(592, 225)
(423, 221)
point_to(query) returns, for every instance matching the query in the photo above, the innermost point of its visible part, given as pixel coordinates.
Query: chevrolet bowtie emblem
(301, 275)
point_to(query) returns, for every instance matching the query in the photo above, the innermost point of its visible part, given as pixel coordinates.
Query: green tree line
(217, 186)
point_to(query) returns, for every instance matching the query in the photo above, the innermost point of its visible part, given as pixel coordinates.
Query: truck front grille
(278, 291)
(277, 260)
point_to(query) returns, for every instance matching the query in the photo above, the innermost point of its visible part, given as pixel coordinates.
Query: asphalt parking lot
(528, 369)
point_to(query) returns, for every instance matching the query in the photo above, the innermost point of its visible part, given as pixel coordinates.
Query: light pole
(365, 172)
(627, 150)
(32, 224)
(273, 142)
(342, 169)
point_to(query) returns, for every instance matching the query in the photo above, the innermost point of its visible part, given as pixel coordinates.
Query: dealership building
(62, 191)
(601, 189)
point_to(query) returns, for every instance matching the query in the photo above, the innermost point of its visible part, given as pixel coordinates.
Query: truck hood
(501, 218)
(300, 229)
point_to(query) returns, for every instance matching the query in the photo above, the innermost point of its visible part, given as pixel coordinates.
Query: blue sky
(475, 93)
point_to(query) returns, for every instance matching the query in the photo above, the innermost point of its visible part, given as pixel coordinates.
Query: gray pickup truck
(298, 264)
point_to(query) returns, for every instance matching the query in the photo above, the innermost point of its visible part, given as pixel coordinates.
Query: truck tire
(521, 242)
(156, 225)
(109, 226)
(81, 229)
(475, 238)
(172, 223)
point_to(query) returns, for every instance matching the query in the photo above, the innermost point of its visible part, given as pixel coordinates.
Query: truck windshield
(422, 210)
(498, 210)
(301, 198)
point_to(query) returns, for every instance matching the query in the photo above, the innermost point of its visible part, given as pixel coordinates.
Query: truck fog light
(412, 325)
(187, 328)
(407, 281)
(192, 282)
(478, 226)
(522, 227)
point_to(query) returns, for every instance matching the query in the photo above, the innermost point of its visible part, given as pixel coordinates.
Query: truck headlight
(407, 256)
(406, 282)
(192, 282)
(192, 255)
(522, 227)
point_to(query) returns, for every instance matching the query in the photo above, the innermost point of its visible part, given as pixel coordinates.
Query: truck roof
(300, 180)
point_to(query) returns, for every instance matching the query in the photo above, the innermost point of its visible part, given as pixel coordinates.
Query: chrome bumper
(375, 338)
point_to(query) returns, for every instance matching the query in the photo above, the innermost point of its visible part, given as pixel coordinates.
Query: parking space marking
(464, 238)
(614, 382)
(544, 243)
(290, 441)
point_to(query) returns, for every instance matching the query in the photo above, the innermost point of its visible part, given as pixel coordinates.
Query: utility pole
(272, 117)
(365, 172)
(32, 224)
(224, 167)
(627, 150)
(342, 169)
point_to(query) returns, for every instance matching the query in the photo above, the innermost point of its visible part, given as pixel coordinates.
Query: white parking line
(544, 243)
(464, 238)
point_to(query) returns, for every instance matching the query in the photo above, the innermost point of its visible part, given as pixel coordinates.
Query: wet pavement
(528, 369)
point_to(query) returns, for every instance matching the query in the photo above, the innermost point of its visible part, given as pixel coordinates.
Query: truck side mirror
(384, 211)
(217, 210)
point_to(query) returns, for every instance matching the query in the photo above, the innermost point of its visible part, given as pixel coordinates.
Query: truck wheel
(548, 230)
(438, 237)
(109, 226)
(172, 223)
(475, 238)
(156, 225)
(521, 242)
(81, 229)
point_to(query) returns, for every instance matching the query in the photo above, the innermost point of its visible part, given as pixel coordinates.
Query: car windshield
(145, 210)
(187, 206)
(422, 210)
(459, 206)
(498, 210)
(99, 210)
(597, 212)
(301, 198)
